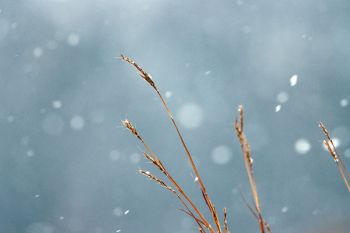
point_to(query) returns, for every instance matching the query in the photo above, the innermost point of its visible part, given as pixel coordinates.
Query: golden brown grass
(328, 142)
(248, 162)
(190, 208)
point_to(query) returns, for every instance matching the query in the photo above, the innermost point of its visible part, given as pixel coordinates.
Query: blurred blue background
(67, 165)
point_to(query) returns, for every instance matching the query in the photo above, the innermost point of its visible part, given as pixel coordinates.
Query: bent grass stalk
(148, 78)
(169, 188)
(195, 213)
(158, 164)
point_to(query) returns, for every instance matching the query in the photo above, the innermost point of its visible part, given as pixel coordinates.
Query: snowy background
(67, 165)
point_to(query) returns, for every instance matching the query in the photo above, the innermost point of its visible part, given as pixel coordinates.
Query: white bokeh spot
(38, 52)
(302, 146)
(77, 122)
(221, 154)
(73, 39)
(282, 97)
(190, 115)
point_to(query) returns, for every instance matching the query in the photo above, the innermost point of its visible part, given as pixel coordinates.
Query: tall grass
(189, 208)
(213, 225)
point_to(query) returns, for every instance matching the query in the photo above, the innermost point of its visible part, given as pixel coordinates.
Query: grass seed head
(144, 75)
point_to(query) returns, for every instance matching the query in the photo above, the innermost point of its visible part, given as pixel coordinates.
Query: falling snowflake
(293, 80)
(278, 108)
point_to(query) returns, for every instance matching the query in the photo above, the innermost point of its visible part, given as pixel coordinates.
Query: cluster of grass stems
(328, 142)
(188, 206)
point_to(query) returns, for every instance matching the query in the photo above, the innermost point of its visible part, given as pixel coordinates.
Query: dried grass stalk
(147, 77)
(226, 230)
(254, 212)
(164, 185)
(328, 142)
(190, 208)
(158, 164)
(248, 162)
(178, 191)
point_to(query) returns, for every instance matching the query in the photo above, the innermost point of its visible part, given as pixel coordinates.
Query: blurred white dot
(278, 108)
(57, 104)
(36, 195)
(221, 154)
(126, 212)
(344, 103)
(336, 142)
(117, 212)
(53, 124)
(282, 97)
(302, 146)
(284, 209)
(73, 39)
(347, 153)
(114, 155)
(135, 158)
(61, 217)
(190, 116)
(37, 52)
(207, 72)
(293, 80)
(118, 230)
(168, 94)
(77, 122)
(30, 153)
(10, 119)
